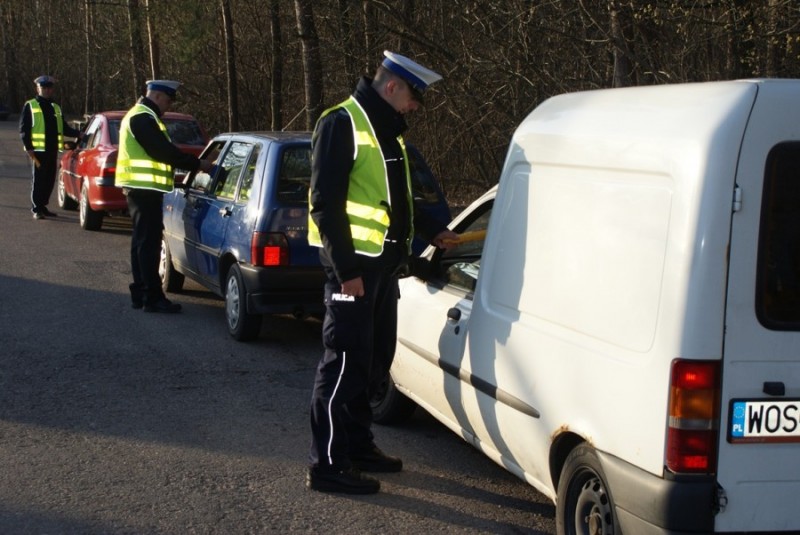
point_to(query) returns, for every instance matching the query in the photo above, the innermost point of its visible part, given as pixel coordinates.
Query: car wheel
(584, 505)
(88, 218)
(389, 405)
(241, 325)
(64, 201)
(171, 280)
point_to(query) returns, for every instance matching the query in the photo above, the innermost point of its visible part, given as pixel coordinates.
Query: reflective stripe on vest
(135, 168)
(38, 126)
(368, 198)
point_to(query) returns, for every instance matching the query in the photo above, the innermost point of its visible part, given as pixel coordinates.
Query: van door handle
(454, 314)
(225, 211)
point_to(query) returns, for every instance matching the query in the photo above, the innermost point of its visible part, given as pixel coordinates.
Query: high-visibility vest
(37, 125)
(135, 168)
(368, 198)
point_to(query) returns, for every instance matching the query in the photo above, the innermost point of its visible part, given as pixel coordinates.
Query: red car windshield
(180, 132)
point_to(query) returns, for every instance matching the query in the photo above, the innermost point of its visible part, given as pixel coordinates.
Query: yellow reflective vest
(135, 168)
(37, 125)
(368, 199)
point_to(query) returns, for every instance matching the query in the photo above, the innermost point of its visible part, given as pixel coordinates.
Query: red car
(86, 178)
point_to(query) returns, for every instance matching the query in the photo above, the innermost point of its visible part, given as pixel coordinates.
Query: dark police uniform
(359, 333)
(44, 175)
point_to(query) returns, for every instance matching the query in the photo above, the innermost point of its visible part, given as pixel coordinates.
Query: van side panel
(612, 208)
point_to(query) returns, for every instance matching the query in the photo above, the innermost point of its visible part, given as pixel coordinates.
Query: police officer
(361, 215)
(42, 130)
(145, 163)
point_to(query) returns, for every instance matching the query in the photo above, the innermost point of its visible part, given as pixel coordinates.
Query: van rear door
(759, 446)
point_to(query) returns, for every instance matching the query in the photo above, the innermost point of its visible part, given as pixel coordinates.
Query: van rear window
(778, 278)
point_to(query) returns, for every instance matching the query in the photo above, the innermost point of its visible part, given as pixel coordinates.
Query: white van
(620, 324)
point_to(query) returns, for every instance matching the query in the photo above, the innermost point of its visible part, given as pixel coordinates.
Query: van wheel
(584, 505)
(389, 405)
(64, 201)
(171, 280)
(88, 218)
(241, 325)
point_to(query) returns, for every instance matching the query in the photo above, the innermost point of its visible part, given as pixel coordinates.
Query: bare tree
(230, 64)
(89, 100)
(312, 64)
(276, 70)
(152, 41)
(137, 48)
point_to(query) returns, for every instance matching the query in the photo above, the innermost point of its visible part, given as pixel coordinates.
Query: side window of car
(200, 180)
(249, 174)
(295, 175)
(459, 265)
(91, 136)
(230, 169)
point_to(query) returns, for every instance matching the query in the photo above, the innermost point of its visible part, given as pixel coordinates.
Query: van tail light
(269, 249)
(693, 431)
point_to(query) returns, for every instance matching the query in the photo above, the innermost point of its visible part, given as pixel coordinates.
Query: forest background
(277, 64)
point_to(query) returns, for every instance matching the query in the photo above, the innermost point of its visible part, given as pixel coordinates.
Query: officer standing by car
(145, 164)
(361, 215)
(42, 130)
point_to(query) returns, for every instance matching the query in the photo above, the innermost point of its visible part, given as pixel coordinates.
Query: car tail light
(107, 173)
(693, 429)
(269, 249)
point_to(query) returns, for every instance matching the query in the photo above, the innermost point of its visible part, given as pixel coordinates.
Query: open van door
(759, 440)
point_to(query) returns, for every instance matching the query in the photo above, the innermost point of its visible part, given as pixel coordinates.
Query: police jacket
(42, 127)
(334, 147)
(146, 154)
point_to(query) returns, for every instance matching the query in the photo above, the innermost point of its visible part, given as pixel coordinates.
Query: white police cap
(169, 87)
(417, 76)
(44, 79)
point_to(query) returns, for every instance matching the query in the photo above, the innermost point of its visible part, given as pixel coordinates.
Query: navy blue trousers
(44, 179)
(359, 336)
(148, 226)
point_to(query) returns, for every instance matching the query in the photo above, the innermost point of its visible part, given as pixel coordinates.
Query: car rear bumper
(647, 504)
(107, 198)
(292, 290)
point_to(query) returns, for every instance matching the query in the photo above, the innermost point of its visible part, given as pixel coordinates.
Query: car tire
(171, 280)
(88, 218)
(65, 202)
(242, 325)
(584, 501)
(389, 405)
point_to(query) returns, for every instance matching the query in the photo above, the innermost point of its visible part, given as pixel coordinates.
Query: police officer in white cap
(145, 164)
(42, 129)
(361, 215)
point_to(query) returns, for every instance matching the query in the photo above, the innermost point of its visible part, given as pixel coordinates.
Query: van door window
(459, 265)
(249, 175)
(200, 180)
(778, 278)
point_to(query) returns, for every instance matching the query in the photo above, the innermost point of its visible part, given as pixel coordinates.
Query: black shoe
(375, 460)
(136, 304)
(48, 213)
(349, 481)
(38, 215)
(162, 305)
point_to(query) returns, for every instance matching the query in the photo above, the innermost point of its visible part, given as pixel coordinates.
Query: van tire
(584, 502)
(389, 405)
(242, 325)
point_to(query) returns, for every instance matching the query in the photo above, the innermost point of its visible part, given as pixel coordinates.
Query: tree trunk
(312, 64)
(89, 100)
(276, 79)
(623, 70)
(137, 48)
(7, 23)
(230, 64)
(152, 40)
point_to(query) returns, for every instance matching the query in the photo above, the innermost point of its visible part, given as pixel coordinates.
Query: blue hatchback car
(241, 230)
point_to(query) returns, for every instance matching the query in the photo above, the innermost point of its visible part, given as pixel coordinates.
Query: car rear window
(778, 278)
(295, 175)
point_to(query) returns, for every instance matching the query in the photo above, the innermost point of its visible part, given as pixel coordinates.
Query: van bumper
(647, 504)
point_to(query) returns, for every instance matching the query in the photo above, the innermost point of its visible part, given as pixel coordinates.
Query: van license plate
(764, 420)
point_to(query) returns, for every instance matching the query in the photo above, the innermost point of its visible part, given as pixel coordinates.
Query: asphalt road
(113, 421)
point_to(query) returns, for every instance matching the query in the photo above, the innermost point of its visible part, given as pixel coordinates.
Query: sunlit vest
(135, 168)
(37, 125)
